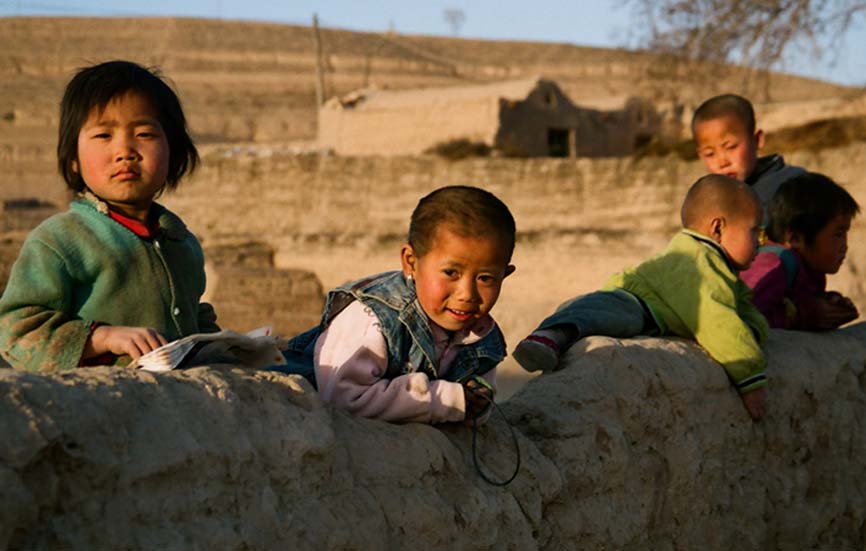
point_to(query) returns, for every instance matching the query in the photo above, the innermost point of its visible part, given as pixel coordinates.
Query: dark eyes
(728, 147)
(150, 133)
(484, 278)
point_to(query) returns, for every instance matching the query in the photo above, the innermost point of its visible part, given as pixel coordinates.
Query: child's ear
(509, 270)
(408, 259)
(717, 225)
(73, 164)
(759, 138)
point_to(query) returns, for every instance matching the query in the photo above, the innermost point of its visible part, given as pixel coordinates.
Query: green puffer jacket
(694, 293)
(81, 267)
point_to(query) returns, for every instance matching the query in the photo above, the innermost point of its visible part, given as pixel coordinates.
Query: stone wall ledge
(635, 444)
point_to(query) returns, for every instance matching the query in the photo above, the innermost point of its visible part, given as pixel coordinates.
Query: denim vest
(406, 329)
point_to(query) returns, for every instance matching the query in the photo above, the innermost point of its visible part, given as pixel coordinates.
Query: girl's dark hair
(805, 204)
(95, 87)
(469, 211)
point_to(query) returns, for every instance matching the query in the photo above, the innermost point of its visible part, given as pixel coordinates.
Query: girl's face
(828, 250)
(123, 154)
(459, 279)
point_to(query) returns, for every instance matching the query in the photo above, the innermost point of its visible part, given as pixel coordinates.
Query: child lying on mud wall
(419, 344)
(691, 289)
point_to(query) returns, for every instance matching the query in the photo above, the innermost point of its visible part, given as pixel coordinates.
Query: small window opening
(557, 142)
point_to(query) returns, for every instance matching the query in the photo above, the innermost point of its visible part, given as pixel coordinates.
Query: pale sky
(584, 22)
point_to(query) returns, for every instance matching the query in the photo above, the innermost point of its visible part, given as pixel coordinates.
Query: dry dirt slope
(253, 81)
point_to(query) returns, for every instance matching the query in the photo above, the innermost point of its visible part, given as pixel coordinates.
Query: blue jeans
(616, 313)
(299, 356)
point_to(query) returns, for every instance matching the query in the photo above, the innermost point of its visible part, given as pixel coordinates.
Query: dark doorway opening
(557, 142)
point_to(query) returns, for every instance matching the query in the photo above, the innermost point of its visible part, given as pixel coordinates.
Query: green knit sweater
(81, 267)
(694, 293)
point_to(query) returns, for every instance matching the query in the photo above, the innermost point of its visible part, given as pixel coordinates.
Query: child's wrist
(94, 345)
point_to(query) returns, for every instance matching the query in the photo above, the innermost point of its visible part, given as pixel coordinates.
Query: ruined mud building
(522, 118)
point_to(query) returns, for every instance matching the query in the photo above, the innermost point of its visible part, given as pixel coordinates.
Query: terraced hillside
(255, 82)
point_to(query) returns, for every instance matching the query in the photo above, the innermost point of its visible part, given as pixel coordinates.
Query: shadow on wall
(247, 291)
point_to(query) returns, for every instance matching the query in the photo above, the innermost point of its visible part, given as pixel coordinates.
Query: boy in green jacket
(691, 289)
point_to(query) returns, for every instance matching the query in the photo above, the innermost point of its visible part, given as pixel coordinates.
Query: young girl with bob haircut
(810, 216)
(117, 275)
(419, 345)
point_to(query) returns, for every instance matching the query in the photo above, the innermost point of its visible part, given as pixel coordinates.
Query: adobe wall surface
(302, 196)
(635, 444)
(406, 130)
(307, 196)
(578, 221)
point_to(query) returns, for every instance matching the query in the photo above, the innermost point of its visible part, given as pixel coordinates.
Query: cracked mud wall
(636, 444)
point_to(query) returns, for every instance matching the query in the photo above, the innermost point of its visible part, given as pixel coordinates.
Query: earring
(409, 278)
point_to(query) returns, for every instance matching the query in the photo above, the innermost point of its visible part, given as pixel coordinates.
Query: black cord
(475, 450)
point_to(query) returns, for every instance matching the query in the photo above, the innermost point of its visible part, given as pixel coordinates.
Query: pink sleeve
(769, 282)
(351, 362)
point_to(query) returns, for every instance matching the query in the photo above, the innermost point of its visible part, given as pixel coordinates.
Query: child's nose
(468, 290)
(124, 149)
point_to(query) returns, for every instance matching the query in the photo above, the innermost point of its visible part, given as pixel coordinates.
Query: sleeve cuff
(751, 383)
(447, 402)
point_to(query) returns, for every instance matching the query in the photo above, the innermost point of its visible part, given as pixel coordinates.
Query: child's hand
(119, 340)
(828, 311)
(478, 399)
(754, 402)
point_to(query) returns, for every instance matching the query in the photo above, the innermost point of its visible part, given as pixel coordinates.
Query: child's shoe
(539, 351)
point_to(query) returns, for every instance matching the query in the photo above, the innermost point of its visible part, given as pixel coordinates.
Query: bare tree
(455, 18)
(698, 39)
(755, 33)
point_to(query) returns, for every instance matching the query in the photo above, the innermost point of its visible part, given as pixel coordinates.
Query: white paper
(256, 349)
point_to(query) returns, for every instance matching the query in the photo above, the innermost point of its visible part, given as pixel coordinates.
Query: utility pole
(320, 83)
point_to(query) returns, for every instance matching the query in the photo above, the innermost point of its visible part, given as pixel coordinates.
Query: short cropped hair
(94, 88)
(806, 204)
(723, 106)
(466, 210)
(715, 194)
